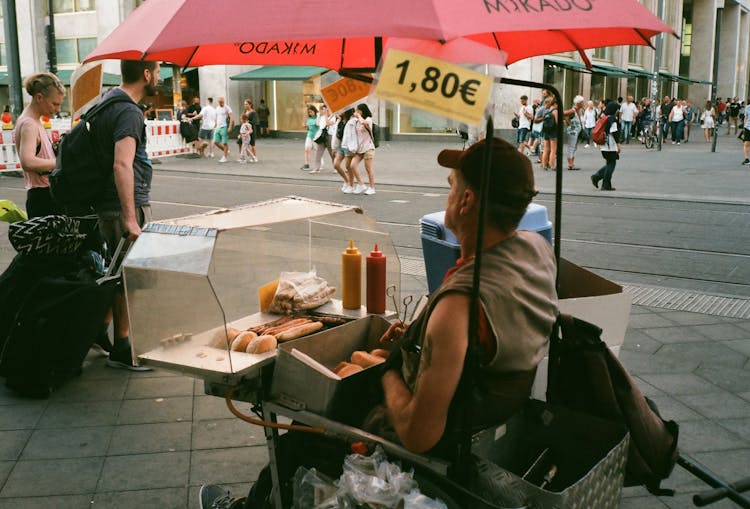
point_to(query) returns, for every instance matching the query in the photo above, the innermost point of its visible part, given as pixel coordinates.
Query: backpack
(598, 135)
(584, 375)
(81, 171)
(375, 134)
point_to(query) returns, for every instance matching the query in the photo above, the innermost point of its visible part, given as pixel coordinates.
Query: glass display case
(188, 280)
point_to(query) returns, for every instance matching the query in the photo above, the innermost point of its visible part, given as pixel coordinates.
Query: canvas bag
(584, 375)
(598, 135)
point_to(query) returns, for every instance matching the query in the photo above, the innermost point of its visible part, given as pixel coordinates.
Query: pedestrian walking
(365, 145)
(589, 122)
(207, 118)
(708, 121)
(246, 129)
(574, 119)
(349, 145)
(628, 112)
(263, 114)
(224, 123)
(610, 150)
(746, 135)
(326, 123)
(311, 126)
(677, 120)
(524, 115)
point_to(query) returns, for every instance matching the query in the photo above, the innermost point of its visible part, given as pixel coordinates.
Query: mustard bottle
(351, 277)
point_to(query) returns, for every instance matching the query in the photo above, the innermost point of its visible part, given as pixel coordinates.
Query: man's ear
(469, 200)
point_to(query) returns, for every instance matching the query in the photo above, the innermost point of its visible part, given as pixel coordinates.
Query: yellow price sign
(433, 85)
(344, 92)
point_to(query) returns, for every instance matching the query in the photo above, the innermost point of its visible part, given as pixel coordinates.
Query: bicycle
(649, 136)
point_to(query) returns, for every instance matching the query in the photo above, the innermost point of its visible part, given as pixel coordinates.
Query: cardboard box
(299, 386)
(595, 299)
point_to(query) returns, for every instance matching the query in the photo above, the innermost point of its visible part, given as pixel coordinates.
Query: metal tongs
(391, 292)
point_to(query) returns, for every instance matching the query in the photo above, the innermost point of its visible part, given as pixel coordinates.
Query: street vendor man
(517, 310)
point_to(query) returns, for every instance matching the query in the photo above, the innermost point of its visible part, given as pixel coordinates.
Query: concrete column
(729, 50)
(743, 69)
(702, 48)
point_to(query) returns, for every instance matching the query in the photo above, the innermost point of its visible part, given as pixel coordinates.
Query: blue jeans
(677, 130)
(626, 127)
(605, 172)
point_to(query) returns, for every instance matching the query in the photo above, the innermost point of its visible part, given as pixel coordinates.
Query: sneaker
(678, 142)
(305, 167)
(370, 191)
(121, 358)
(242, 161)
(212, 496)
(359, 189)
(211, 154)
(223, 159)
(746, 162)
(586, 146)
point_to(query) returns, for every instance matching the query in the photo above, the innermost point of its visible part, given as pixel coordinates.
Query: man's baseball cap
(511, 179)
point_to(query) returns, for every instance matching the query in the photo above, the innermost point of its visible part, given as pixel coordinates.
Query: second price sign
(433, 85)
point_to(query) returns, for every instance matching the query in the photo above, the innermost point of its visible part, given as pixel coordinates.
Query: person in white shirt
(525, 115)
(589, 121)
(224, 122)
(628, 111)
(677, 120)
(207, 116)
(746, 135)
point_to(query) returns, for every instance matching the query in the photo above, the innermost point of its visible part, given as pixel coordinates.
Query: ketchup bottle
(351, 277)
(376, 281)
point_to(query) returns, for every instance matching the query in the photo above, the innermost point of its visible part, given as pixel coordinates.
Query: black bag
(375, 135)
(322, 137)
(82, 170)
(585, 376)
(515, 123)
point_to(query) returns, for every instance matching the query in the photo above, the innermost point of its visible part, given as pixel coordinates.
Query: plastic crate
(441, 248)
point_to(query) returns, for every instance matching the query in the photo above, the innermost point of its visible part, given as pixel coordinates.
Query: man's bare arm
(123, 169)
(420, 417)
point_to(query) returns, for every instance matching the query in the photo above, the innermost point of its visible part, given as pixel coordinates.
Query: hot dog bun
(242, 340)
(380, 352)
(366, 359)
(347, 369)
(262, 344)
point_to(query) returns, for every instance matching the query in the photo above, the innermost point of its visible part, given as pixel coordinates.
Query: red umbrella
(291, 32)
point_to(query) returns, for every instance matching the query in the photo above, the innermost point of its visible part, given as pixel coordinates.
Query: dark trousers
(605, 172)
(677, 130)
(39, 202)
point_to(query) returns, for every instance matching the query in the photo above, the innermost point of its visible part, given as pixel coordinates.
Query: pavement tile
(12, 443)
(158, 387)
(149, 438)
(63, 415)
(673, 334)
(706, 435)
(637, 341)
(90, 390)
(157, 373)
(688, 318)
(221, 433)
(644, 362)
(648, 320)
(691, 355)
(744, 324)
(742, 346)
(20, 416)
(717, 405)
(640, 310)
(722, 331)
(740, 426)
(220, 466)
(685, 500)
(53, 502)
(676, 384)
(731, 379)
(211, 407)
(142, 499)
(145, 471)
(53, 477)
(68, 443)
(5, 468)
(744, 395)
(142, 411)
(729, 465)
(670, 408)
(647, 502)
(8, 397)
(646, 388)
(95, 368)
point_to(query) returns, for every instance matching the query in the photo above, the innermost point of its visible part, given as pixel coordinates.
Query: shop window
(687, 38)
(3, 58)
(597, 87)
(85, 46)
(604, 53)
(635, 55)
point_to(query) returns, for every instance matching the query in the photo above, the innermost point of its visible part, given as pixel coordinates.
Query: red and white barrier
(163, 139)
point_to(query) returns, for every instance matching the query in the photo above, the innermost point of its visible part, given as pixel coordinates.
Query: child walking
(246, 129)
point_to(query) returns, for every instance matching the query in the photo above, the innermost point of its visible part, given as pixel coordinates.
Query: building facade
(686, 64)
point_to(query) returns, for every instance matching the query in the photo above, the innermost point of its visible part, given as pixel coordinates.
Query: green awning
(567, 64)
(280, 73)
(683, 79)
(641, 72)
(108, 79)
(610, 71)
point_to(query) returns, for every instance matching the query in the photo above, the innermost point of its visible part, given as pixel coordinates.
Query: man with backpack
(123, 206)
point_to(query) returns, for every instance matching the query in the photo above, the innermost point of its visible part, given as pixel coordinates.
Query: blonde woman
(33, 144)
(365, 147)
(707, 120)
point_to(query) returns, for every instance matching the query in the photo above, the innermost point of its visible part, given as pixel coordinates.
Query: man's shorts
(263, 124)
(221, 135)
(206, 134)
(522, 135)
(112, 228)
(746, 135)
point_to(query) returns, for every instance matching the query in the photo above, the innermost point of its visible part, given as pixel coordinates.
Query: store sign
(344, 92)
(433, 85)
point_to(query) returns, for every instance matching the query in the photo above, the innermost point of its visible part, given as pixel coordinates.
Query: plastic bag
(298, 291)
(10, 213)
(313, 490)
(376, 482)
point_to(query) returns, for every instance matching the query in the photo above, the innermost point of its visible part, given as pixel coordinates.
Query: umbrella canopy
(291, 32)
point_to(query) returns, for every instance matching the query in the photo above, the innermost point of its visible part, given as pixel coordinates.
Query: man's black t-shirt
(114, 123)
(666, 109)
(734, 109)
(192, 111)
